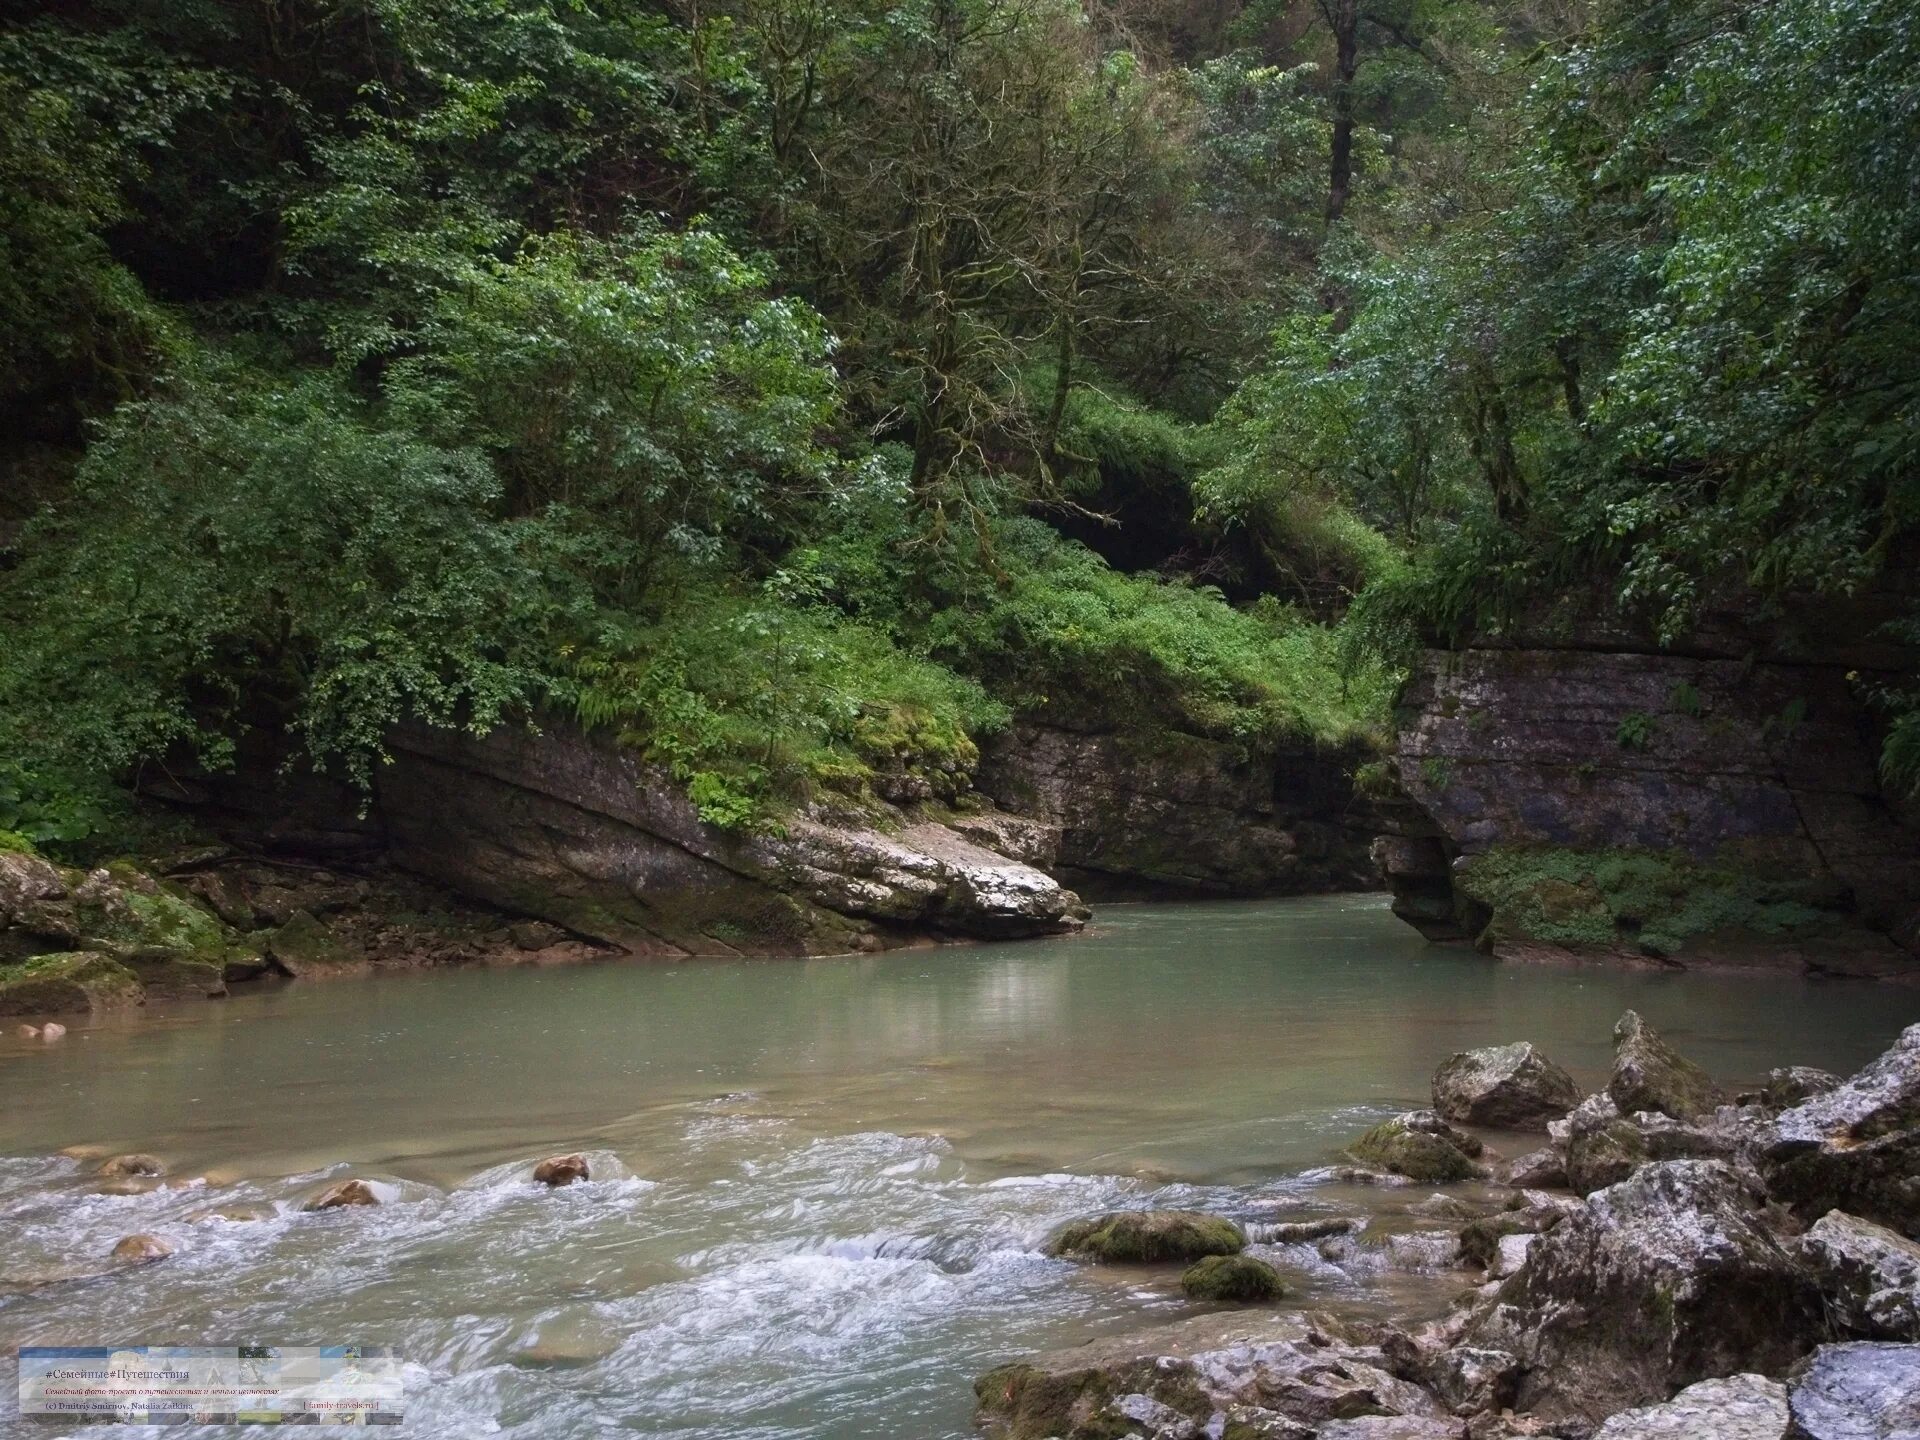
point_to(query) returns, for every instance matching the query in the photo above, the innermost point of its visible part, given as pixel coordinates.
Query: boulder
(137, 1163)
(1237, 1373)
(1740, 1407)
(1480, 1240)
(1420, 1146)
(1144, 1237)
(558, 1170)
(141, 1249)
(1649, 1074)
(69, 980)
(345, 1195)
(1601, 1146)
(1856, 1148)
(1471, 1380)
(1859, 1391)
(1508, 1087)
(1668, 1278)
(1542, 1169)
(1869, 1275)
(1792, 1085)
(1234, 1278)
(304, 947)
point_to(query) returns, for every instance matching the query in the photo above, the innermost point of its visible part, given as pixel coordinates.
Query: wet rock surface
(1420, 1146)
(1147, 1237)
(1739, 1407)
(1857, 1147)
(1869, 1276)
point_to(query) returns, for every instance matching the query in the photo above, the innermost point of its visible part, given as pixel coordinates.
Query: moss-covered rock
(1235, 1278)
(182, 976)
(1649, 1074)
(305, 946)
(68, 980)
(1407, 1145)
(1144, 1237)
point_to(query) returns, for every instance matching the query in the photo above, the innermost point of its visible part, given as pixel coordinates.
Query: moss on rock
(1236, 1278)
(1143, 1237)
(1425, 1157)
(70, 980)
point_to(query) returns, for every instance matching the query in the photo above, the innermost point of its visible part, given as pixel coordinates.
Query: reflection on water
(828, 1178)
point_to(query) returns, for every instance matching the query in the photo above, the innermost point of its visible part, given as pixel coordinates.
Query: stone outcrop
(1507, 1087)
(1145, 814)
(1666, 1279)
(1857, 1147)
(572, 829)
(1580, 793)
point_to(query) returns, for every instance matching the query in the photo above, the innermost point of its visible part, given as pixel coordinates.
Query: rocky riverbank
(1670, 1264)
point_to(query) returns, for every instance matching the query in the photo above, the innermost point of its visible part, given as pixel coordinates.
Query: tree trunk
(1344, 17)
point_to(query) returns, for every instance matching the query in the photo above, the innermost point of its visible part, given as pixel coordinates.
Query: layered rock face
(570, 828)
(1668, 808)
(1143, 815)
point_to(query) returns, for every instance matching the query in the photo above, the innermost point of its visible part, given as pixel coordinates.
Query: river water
(819, 1185)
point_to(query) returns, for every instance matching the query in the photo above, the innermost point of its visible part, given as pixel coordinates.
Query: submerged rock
(1649, 1074)
(1857, 1147)
(1239, 1278)
(1859, 1391)
(1420, 1146)
(138, 1163)
(346, 1194)
(1140, 1237)
(1663, 1280)
(1740, 1407)
(141, 1249)
(1869, 1276)
(52, 1030)
(559, 1170)
(1508, 1087)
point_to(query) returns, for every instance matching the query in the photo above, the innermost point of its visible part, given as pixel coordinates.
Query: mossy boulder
(304, 946)
(69, 980)
(1602, 1147)
(1649, 1074)
(1419, 1146)
(1239, 1279)
(1146, 1237)
(181, 976)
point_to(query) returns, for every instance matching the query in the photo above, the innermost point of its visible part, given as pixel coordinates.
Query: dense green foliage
(801, 387)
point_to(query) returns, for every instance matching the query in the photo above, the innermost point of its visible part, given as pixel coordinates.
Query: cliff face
(1669, 808)
(570, 828)
(1144, 815)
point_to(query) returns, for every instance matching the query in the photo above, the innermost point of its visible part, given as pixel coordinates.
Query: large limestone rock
(1601, 1147)
(1508, 1087)
(1856, 1148)
(1649, 1074)
(1869, 1275)
(1147, 814)
(1577, 790)
(1663, 1280)
(1240, 1374)
(575, 830)
(1740, 1407)
(1859, 1391)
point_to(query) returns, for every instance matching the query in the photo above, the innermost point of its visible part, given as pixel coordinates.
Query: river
(819, 1185)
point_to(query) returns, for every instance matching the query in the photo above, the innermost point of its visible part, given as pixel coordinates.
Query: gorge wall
(1148, 814)
(1588, 798)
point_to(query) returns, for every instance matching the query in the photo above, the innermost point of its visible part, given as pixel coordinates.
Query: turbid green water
(825, 1182)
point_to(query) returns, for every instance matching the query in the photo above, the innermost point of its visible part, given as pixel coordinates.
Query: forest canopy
(800, 386)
